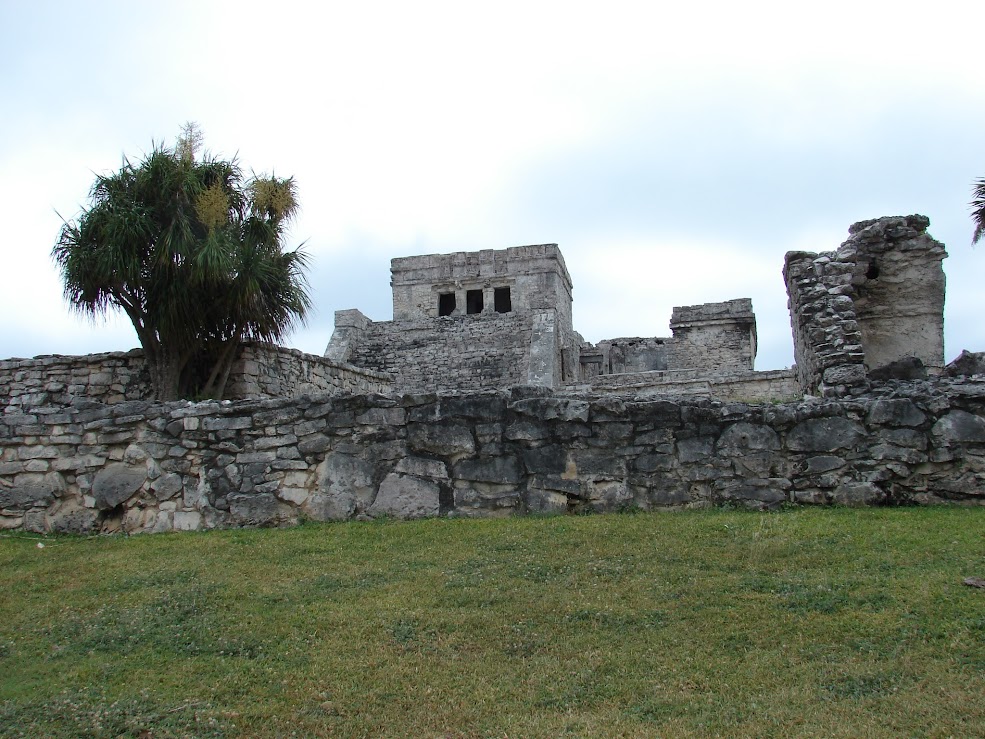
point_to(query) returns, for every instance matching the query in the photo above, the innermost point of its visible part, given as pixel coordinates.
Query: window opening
(473, 301)
(501, 300)
(446, 304)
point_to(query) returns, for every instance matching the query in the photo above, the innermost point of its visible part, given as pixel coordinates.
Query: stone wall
(268, 371)
(138, 466)
(112, 377)
(707, 338)
(714, 337)
(262, 370)
(463, 353)
(876, 300)
(771, 386)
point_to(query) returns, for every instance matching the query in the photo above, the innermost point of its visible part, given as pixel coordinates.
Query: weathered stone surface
(187, 520)
(502, 470)
(551, 408)
(966, 364)
(503, 501)
(906, 368)
(823, 463)
(447, 440)
(115, 484)
(254, 510)
(166, 486)
(695, 449)
(339, 506)
(543, 501)
(960, 426)
(901, 412)
(744, 437)
(546, 460)
(346, 480)
(858, 494)
(22, 497)
(422, 467)
(314, 443)
(825, 435)
(405, 496)
(74, 519)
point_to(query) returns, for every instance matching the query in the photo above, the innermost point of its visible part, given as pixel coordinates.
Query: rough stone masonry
(515, 414)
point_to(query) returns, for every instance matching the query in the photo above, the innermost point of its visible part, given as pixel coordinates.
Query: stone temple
(501, 318)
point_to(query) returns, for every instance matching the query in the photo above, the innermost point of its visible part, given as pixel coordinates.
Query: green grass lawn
(811, 622)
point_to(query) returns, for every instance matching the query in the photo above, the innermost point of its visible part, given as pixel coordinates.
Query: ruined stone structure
(501, 318)
(479, 399)
(876, 301)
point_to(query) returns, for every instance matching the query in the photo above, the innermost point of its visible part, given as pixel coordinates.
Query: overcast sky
(674, 150)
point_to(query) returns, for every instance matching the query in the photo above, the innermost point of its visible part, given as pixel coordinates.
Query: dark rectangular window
(473, 301)
(501, 300)
(446, 304)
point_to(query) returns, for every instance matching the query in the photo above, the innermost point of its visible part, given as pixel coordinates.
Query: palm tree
(193, 255)
(978, 210)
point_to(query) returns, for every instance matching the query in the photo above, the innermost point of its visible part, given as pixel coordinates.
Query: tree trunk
(165, 376)
(216, 384)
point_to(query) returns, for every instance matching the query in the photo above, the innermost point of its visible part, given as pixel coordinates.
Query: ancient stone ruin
(496, 319)
(876, 305)
(480, 399)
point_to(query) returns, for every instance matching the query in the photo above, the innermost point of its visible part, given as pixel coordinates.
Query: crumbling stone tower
(876, 301)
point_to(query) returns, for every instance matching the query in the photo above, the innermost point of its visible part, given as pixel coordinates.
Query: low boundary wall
(769, 386)
(139, 466)
(261, 371)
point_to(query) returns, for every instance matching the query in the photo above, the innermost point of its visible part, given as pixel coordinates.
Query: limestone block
(347, 478)
(166, 486)
(254, 510)
(695, 449)
(894, 412)
(966, 364)
(445, 440)
(433, 469)
(187, 520)
(822, 463)
(858, 494)
(765, 491)
(115, 484)
(314, 444)
(339, 506)
(502, 470)
(35, 521)
(491, 498)
(404, 496)
(960, 426)
(297, 496)
(74, 519)
(743, 437)
(825, 435)
(543, 501)
(32, 493)
(603, 495)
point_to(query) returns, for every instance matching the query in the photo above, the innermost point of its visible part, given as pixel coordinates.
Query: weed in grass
(858, 687)
(178, 622)
(404, 631)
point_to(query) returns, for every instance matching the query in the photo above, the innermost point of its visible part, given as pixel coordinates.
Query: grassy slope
(806, 622)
